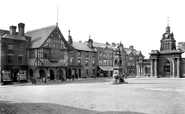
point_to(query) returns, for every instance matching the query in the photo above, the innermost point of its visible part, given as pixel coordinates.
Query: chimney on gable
(21, 29)
(70, 40)
(13, 30)
(90, 42)
(131, 47)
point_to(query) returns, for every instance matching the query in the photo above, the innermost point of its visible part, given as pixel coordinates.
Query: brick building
(82, 59)
(104, 59)
(13, 54)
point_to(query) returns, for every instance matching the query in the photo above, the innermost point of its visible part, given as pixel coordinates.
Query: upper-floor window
(130, 58)
(104, 62)
(79, 54)
(71, 60)
(32, 53)
(100, 62)
(87, 54)
(10, 58)
(71, 52)
(100, 53)
(20, 59)
(79, 61)
(93, 54)
(20, 47)
(10, 46)
(93, 62)
(86, 62)
(128, 63)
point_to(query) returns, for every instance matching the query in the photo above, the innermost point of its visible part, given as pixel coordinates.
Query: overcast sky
(140, 23)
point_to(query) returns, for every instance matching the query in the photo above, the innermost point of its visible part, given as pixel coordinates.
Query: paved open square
(96, 96)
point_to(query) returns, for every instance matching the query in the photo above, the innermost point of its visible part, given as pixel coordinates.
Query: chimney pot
(13, 30)
(21, 29)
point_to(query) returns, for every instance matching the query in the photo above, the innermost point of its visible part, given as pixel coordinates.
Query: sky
(140, 23)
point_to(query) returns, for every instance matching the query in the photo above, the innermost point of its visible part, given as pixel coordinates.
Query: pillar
(173, 75)
(141, 71)
(156, 68)
(178, 68)
(151, 73)
(137, 70)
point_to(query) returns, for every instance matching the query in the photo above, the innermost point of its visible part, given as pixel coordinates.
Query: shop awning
(106, 68)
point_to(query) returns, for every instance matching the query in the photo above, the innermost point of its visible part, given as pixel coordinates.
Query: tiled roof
(128, 50)
(3, 32)
(40, 35)
(15, 37)
(101, 45)
(81, 46)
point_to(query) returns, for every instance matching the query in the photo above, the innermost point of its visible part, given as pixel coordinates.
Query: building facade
(104, 59)
(13, 54)
(48, 54)
(82, 59)
(164, 63)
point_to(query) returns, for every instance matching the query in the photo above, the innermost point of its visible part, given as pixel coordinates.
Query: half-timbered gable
(49, 51)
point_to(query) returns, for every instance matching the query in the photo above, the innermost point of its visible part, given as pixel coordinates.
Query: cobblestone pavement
(96, 96)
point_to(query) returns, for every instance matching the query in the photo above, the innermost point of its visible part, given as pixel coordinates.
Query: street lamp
(118, 72)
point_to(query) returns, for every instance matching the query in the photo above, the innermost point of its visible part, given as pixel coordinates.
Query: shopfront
(10, 74)
(105, 71)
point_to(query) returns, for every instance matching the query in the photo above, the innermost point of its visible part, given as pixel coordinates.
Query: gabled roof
(101, 45)
(40, 35)
(128, 51)
(81, 46)
(3, 32)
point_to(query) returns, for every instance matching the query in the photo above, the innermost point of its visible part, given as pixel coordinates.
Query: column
(156, 68)
(178, 68)
(151, 73)
(173, 68)
(141, 71)
(137, 70)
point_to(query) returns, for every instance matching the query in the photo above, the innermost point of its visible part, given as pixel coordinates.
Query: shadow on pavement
(7, 107)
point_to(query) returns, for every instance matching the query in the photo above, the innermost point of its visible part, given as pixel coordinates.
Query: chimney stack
(21, 29)
(70, 40)
(131, 47)
(13, 30)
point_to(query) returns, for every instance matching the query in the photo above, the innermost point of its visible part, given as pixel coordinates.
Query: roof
(81, 46)
(40, 35)
(3, 32)
(128, 50)
(101, 45)
(15, 37)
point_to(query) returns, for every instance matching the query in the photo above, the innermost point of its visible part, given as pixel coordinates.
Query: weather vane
(168, 21)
